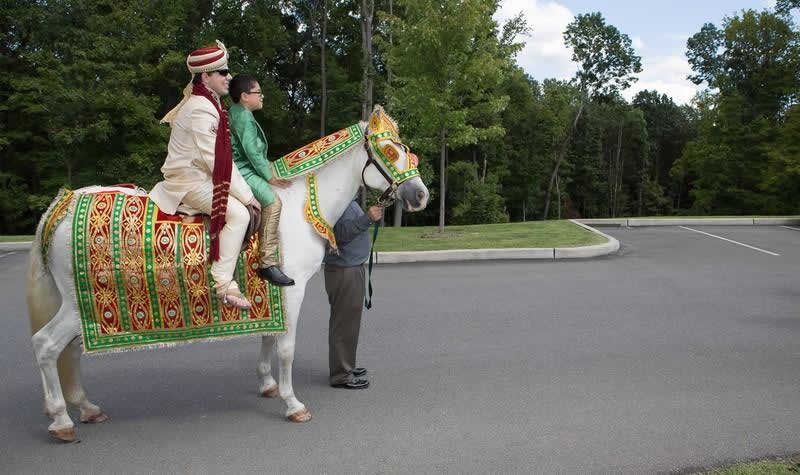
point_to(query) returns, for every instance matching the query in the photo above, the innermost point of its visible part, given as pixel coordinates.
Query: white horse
(51, 294)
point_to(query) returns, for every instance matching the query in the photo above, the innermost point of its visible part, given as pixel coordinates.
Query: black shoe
(274, 275)
(354, 384)
(359, 372)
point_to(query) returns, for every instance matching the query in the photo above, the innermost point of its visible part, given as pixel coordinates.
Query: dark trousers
(345, 288)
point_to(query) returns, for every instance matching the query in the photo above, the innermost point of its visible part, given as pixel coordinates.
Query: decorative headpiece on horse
(382, 127)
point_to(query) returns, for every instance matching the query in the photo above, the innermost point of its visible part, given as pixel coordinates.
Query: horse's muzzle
(413, 194)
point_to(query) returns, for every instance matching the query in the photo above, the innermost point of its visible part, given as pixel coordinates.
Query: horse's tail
(44, 298)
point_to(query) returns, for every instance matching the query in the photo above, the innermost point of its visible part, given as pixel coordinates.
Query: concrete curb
(582, 252)
(15, 246)
(611, 246)
(638, 222)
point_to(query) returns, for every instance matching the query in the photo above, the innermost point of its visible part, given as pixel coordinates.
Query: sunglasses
(259, 93)
(222, 72)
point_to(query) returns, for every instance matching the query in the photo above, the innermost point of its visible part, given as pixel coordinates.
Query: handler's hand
(280, 183)
(375, 213)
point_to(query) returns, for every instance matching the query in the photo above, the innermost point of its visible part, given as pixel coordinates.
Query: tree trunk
(69, 173)
(524, 202)
(367, 14)
(323, 39)
(561, 153)
(442, 177)
(483, 175)
(398, 214)
(558, 196)
(617, 174)
(398, 207)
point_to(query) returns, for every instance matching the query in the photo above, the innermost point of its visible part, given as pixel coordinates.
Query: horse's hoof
(271, 392)
(64, 435)
(95, 419)
(303, 415)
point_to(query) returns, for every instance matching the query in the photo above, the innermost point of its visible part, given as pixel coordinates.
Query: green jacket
(250, 153)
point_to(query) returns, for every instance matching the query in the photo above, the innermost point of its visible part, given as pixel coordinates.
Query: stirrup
(235, 299)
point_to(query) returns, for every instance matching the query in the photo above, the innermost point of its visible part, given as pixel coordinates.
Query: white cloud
(667, 75)
(544, 54)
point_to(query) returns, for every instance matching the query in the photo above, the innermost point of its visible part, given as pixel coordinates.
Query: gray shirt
(352, 238)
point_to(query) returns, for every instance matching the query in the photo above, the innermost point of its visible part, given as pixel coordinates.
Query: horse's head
(390, 166)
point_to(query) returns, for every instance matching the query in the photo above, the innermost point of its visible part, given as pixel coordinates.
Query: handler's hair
(239, 84)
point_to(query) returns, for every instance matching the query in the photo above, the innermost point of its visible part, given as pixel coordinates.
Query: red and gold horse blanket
(142, 278)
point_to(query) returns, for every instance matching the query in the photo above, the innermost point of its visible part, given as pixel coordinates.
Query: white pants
(230, 238)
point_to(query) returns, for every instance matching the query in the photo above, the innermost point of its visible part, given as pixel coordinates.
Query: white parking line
(7, 254)
(789, 227)
(730, 240)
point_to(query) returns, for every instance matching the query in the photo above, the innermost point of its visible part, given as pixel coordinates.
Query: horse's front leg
(267, 386)
(295, 410)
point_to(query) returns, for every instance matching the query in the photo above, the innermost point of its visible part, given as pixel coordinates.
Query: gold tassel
(187, 92)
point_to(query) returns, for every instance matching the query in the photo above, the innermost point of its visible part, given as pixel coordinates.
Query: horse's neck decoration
(381, 139)
(377, 159)
(314, 215)
(317, 154)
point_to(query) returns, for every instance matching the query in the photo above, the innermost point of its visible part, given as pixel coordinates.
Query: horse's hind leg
(69, 371)
(267, 386)
(48, 343)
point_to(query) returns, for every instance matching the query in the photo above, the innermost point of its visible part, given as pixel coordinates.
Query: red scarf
(223, 166)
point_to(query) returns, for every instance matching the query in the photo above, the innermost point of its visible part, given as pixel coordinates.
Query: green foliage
(742, 159)
(87, 80)
(476, 201)
(606, 58)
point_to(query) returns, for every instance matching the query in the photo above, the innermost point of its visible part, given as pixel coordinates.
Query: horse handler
(199, 176)
(345, 284)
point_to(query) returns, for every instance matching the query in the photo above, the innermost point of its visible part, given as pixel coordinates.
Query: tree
(607, 64)
(478, 201)
(784, 6)
(753, 67)
(755, 55)
(447, 63)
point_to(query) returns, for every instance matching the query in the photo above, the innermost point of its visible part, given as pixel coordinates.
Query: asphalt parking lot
(681, 351)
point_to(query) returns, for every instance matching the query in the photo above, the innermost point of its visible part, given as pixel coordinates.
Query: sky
(658, 31)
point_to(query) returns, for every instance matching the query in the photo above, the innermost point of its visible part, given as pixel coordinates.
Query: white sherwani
(188, 182)
(190, 157)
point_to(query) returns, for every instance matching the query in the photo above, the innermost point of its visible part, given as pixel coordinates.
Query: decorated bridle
(382, 127)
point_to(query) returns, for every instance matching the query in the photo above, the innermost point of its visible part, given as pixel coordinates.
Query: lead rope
(368, 299)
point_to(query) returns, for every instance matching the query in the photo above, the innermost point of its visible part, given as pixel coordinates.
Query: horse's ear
(380, 121)
(376, 117)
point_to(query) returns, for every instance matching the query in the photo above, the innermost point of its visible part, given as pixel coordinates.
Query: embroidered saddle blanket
(143, 280)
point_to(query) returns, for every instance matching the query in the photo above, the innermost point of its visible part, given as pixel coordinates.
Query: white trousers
(230, 238)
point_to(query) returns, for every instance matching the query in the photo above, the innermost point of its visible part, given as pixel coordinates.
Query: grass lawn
(15, 238)
(772, 467)
(528, 234)
(481, 236)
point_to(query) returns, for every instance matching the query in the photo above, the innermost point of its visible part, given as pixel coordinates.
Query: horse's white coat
(56, 322)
